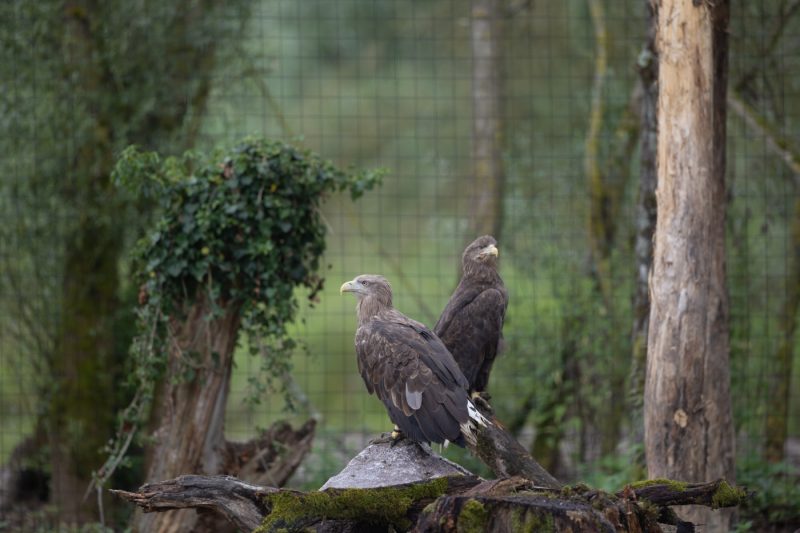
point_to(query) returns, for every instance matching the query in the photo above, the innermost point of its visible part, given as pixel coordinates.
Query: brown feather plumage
(408, 367)
(471, 323)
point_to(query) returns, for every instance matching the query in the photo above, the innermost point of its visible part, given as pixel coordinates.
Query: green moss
(384, 505)
(671, 483)
(727, 496)
(473, 518)
(568, 491)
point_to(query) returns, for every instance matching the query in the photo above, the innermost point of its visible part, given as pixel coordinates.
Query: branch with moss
(450, 503)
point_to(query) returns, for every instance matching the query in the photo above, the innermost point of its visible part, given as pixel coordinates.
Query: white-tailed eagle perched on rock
(471, 324)
(406, 365)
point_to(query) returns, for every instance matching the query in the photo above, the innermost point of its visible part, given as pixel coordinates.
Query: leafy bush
(775, 502)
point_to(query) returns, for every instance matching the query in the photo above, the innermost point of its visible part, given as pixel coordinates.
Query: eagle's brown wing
(412, 372)
(471, 328)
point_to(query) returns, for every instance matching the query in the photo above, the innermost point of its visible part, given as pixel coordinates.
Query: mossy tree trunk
(688, 426)
(487, 132)
(101, 79)
(81, 415)
(81, 412)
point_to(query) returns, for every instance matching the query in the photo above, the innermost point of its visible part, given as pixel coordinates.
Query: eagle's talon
(396, 436)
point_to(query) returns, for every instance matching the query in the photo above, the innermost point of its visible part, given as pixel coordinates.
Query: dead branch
(239, 502)
(504, 455)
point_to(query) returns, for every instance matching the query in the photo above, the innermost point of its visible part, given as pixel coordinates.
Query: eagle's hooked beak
(490, 250)
(347, 286)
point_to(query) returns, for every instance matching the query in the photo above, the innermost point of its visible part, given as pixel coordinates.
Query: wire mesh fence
(390, 84)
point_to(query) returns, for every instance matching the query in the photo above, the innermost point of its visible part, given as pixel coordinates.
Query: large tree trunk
(688, 426)
(81, 413)
(85, 367)
(190, 413)
(487, 105)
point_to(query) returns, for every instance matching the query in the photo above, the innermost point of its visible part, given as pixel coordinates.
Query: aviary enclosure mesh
(388, 83)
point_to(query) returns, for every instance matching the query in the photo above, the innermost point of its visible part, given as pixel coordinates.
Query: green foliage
(612, 472)
(775, 493)
(243, 226)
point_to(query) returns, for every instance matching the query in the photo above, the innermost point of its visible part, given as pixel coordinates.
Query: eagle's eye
(361, 281)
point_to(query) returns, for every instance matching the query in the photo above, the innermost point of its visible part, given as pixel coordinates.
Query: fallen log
(444, 498)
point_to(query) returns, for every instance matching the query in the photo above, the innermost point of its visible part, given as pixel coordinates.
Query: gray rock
(382, 465)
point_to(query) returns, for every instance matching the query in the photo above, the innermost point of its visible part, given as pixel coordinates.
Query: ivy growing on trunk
(241, 229)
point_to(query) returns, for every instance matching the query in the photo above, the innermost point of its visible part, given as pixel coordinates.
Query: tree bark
(190, 414)
(504, 455)
(688, 426)
(487, 104)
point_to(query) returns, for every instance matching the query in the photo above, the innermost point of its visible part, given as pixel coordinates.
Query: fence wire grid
(390, 84)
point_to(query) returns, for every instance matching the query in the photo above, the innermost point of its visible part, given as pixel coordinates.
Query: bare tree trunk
(189, 418)
(688, 426)
(645, 221)
(487, 103)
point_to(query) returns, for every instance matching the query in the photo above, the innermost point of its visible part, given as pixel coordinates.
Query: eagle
(472, 321)
(406, 365)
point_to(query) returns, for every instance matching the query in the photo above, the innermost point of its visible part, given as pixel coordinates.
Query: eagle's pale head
(372, 286)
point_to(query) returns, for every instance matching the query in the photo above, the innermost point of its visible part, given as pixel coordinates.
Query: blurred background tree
(391, 84)
(82, 80)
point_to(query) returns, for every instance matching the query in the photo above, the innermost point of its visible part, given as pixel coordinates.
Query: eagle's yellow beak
(347, 286)
(491, 250)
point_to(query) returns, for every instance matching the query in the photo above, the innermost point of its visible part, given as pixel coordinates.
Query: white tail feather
(476, 415)
(475, 419)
